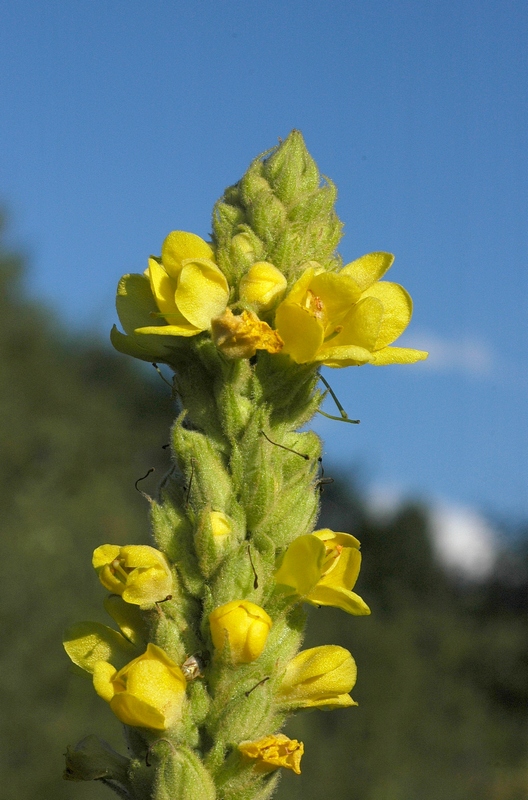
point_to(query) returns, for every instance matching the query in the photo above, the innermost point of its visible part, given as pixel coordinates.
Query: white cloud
(466, 354)
(464, 540)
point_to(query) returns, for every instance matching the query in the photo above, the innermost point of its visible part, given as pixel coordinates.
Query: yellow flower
(346, 318)
(244, 625)
(241, 336)
(322, 568)
(147, 693)
(262, 286)
(321, 677)
(139, 573)
(188, 287)
(272, 752)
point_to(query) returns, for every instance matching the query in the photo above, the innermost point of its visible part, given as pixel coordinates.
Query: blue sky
(124, 120)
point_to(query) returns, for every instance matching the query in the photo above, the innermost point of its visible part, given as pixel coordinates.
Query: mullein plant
(204, 664)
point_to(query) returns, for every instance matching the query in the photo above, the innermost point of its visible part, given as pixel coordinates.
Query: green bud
(181, 774)
(214, 536)
(268, 218)
(173, 533)
(207, 479)
(291, 171)
(245, 249)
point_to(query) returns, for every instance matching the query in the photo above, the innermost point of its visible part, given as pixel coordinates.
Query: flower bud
(146, 693)
(244, 626)
(182, 774)
(272, 752)
(221, 528)
(291, 170)
(262, 286)
(320, 677)
(139, 573)
(245, 249)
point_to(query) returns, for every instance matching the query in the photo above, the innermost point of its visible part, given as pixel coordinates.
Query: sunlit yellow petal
(329, 703)
(89, 642)
(369, 268)
(163, 289)
(132, 711)
(135, 303)
(338, 597)
(202, 292)
(300, 287)
(319, 677)
(397, 355)
(300, 331)
(180, 245)
(129, 618)
(185, 329)
(343, 356)
(103, 673)
(105, 554)
(397, 311)
(361, 326)
(338, 292)
(301, 565)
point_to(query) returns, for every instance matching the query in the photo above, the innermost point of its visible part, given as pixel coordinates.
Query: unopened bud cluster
(204, 664)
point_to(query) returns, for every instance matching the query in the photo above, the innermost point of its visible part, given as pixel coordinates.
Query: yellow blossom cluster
(146, 688)
(336, 319)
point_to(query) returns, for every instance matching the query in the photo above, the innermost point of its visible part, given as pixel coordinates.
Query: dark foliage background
(443, 667)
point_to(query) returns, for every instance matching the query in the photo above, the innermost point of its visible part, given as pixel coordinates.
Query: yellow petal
(89, 642)
(135, 303)
(142, 555)
(128, 617)
(185, 329)
(329, 536)
(105, 554)
(338, 293)
(301, 286)
(180, 245)
(343, 356)
(328, 668)
(397, 355)
(202, 292)
(397, 311)
(338, 597)
(132, 711)
(361, 326)
(344, 570)
(103, 674)
(163, 288)
(301, 565)
(300, 331)
(328, 703)
(369, 268)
